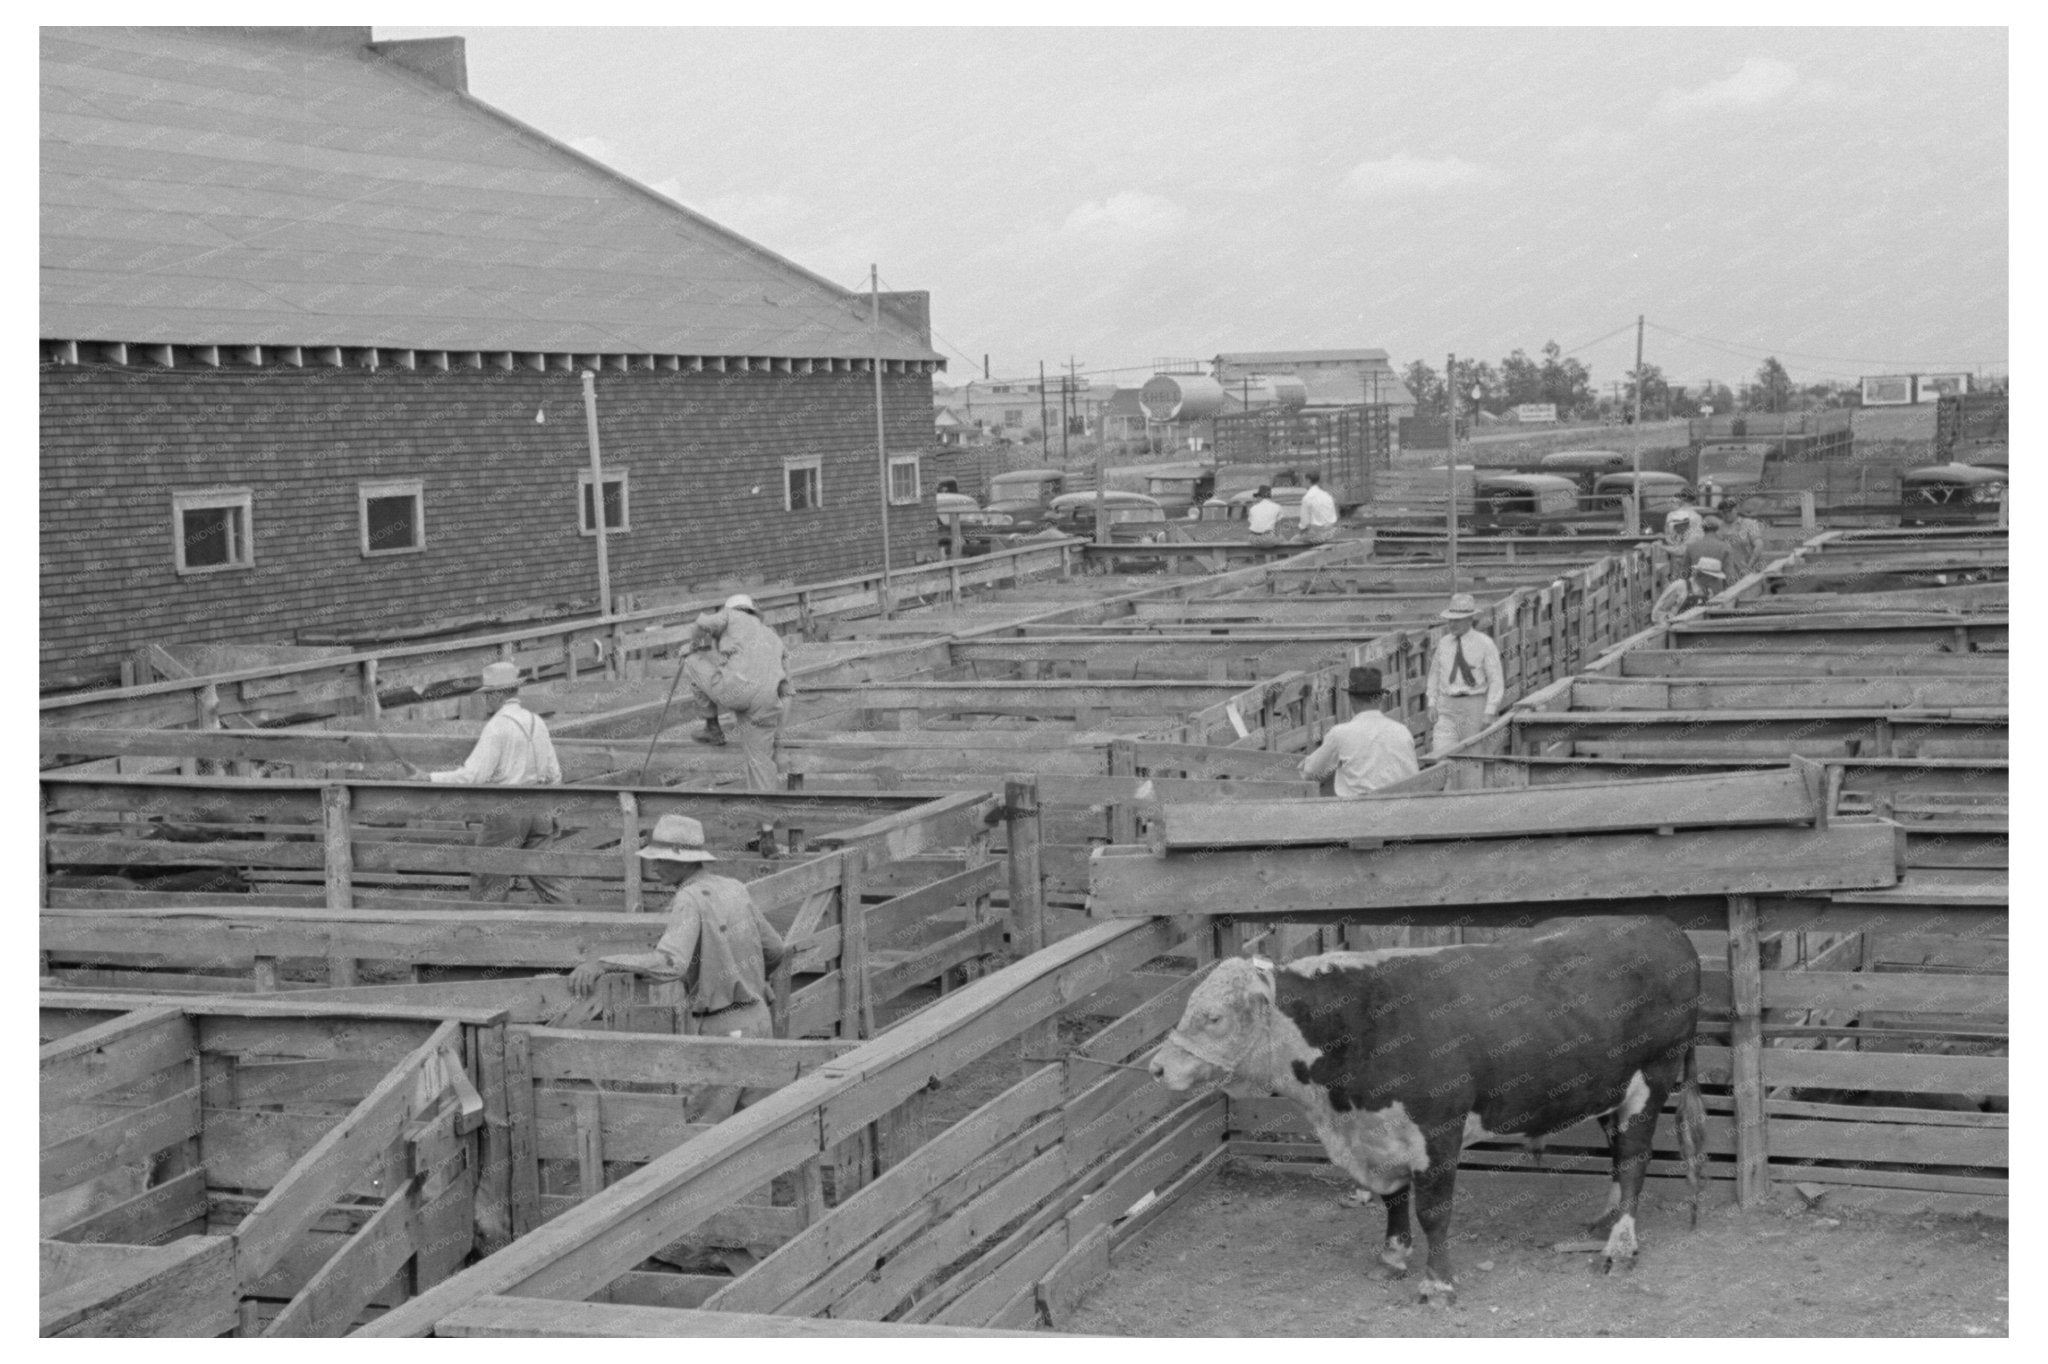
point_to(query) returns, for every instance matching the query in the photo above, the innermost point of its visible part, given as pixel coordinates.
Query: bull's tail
(1692, 1130)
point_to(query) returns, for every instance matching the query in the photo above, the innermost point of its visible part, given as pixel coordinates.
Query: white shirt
(1683, 524)
(1318, 508)
(1366, 752)
(513, 750)
(1481, 655)
(1262, 517)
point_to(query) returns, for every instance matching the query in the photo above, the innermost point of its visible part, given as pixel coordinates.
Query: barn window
(393, 516)
(903, 480)
(803, 484)
(618, 505)
(1013, 416)
(210, 530)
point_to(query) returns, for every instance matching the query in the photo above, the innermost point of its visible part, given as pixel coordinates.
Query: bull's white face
(1227, 1017)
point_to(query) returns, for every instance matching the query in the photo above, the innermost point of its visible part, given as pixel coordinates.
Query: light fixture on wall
(540, 415)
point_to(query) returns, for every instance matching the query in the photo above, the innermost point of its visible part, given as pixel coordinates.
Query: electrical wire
(1738, 346)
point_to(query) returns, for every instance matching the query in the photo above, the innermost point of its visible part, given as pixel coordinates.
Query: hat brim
(662, 854)
(1448, 614)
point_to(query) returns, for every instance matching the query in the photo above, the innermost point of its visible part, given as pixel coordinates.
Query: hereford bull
(1401, 1057)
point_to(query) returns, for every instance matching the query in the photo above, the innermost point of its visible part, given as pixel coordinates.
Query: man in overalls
(513, 750)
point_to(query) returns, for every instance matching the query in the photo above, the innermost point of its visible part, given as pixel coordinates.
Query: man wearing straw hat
(1465, 678)
(735, 663)
(513, 750)
(1366, 752)
(1683, 594)
(718, 945)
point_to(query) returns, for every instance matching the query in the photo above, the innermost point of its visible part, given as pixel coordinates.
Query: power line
(1811, 355)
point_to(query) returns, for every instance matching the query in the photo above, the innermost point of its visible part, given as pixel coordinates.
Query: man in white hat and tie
(1465, 678)
(717, 944)
(513, 750)
(735, 663)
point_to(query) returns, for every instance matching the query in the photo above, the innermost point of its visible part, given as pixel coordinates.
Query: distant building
(1334, 378)
(1011, 409)
(314, 323)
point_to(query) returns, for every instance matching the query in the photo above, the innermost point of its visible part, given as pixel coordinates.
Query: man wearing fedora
(718, 945)
(513, 750)
(735, 663)
(1465, 678)
(1369, 750)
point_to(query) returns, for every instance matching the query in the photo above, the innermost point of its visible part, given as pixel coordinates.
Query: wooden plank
(523, 1318)
(1893, 692)
(320, 1176)
(928, 962)
(1131, 883)
(1752, 1168)
(858, 1221)
(120, 1142)
(1808, 663)
(607, 1235)
(154, 1212)
(557, 1054)
(114, 1053)
(634, 1127)
(187, 1288)
(1761, 797)
(339, 1291)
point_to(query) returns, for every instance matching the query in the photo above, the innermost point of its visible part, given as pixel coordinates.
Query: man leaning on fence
(513, 750)
(717, 945)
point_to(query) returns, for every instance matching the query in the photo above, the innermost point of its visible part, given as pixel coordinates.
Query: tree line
(1564, 382)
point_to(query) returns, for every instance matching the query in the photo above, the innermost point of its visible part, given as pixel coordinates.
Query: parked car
(1655, 493)
(1074, 514)
(1526, 504)
(1942, 493)
(1583, 467)
(1178, 490)
(1034, 485)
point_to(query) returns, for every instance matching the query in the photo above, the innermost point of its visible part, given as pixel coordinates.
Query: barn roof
(300, 188)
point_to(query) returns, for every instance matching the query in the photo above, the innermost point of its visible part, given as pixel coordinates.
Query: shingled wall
(704, 451)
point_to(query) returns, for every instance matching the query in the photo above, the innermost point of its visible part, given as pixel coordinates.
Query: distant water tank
(1180, 397)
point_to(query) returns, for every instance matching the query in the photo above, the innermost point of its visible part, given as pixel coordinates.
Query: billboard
(1888, 390)
(1933, 386)
(1536, 412)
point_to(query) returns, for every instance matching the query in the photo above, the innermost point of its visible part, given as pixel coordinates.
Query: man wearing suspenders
(513, 750)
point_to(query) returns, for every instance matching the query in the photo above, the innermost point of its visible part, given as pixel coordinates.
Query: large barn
(314, 323)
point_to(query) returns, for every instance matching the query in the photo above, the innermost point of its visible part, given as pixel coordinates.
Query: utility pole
(597, 516)
(1635, 451)
(1066, 422)
(1101, 462)
(1044, 422)
(1451, 467)
(881, 440)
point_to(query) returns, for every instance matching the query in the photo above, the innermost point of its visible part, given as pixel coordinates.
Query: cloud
(1760, 81)
(1129, 216)
(1594, 142)
(1402, 174)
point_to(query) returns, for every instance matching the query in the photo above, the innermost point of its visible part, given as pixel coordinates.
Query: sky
(1836, 197)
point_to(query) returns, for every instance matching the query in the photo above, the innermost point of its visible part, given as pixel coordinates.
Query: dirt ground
(1261, 1254)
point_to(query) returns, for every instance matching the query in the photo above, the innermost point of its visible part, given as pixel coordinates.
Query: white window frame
(584, 501)
(816, 465)
(912, 463)
(414, 488)
(207, 499)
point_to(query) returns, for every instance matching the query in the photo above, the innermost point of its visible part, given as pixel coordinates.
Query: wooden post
(953, 566)
(373, 710)
(629, 849)
(486, 1047)
(569, 656)
(1808, 521)
(1024, 834)
(338, 864)
(1123, 814)
(525, 1164)
(856, 1005)
(1746, 1053)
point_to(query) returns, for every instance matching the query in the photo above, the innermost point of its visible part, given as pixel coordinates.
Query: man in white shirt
(1369, 750)
(1318, 512)
(1465, 678)
(1262, 517)
(513, 750)
(736, 663)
